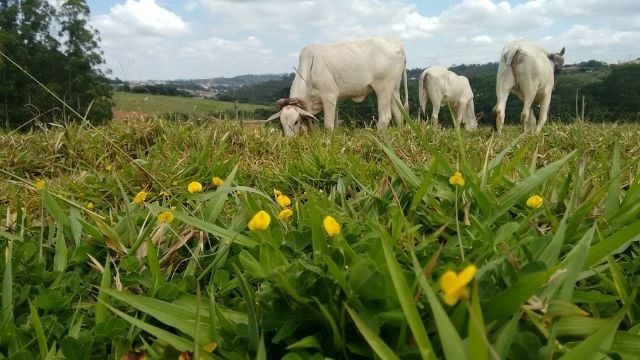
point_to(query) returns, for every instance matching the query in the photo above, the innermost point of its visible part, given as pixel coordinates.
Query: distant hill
(610, 92)
(232, 82)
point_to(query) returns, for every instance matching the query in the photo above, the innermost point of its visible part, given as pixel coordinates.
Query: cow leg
(527, 110)
(384, 109)
(504, 84)
(395, 110)
(329, 109)
(459, 111)
(435, 102)
(544, 113)
(531, 125)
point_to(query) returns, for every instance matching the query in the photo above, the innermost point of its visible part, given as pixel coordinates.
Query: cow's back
(529, 63)
(452, 85)
(355, 65)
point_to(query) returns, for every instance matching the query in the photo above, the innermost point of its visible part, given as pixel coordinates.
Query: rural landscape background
(133, 224)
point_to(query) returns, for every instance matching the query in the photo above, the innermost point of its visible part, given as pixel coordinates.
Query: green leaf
(506, 302)
(305, 343)
(250, 264)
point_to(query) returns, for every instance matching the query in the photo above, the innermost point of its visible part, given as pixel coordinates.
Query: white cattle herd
(327, 73)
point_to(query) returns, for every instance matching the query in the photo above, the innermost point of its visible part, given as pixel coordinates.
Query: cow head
(469, 117)
(558, 60)
(293, 115)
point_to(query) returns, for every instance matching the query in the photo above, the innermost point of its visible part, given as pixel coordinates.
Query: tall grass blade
(171, 314)
(225, 234)
(377, 344)
(254, 328)
(612, 201)
(599, 252)
(7, 287)
(506, 335)
(596, 345)
(551, 252)
(37, 327)
(405, 297)
(477, 344)
(527, 187)
(60, 256)
(451, 342)
(178, 342)
(105, 283)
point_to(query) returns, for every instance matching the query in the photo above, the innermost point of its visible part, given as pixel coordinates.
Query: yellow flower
(140, 197)
(535, 201)
(285, 214)
(454, 285)
(194, 187)
(260, 221)
(40, 184)
(456, 179)
(331, 226)
(217, 181)
(89, 205)
(166, 217)
(276, 193)
(109, 167)
(283, 201)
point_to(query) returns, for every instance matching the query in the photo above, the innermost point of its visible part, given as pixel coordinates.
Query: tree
(83, 84)
(62, 60)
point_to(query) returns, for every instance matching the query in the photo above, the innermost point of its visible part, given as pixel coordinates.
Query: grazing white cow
(350, 70)
(445, 87)
(529, 71)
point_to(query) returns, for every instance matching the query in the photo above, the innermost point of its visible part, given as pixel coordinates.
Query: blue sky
(173, 39)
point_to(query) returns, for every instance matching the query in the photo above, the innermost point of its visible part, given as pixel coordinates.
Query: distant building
(635, 61)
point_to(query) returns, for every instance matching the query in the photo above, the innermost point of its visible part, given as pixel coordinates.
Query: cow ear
(273, 117)
(561, 53)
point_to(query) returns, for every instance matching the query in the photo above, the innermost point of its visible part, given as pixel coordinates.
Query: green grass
(160, 104)
(555, 282)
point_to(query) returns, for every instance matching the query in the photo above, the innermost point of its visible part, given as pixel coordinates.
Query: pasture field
(93, 268)
(127, 103)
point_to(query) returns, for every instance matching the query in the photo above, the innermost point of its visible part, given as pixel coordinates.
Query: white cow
(445, 87)
(350, 70)
(529, 71)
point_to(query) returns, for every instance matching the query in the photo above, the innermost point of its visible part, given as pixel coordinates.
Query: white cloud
(231, 37)
(141, 17)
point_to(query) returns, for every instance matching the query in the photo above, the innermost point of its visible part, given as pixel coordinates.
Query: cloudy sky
(176, 39)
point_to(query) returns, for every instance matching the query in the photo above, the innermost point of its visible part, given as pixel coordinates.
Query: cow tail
(423, 96)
